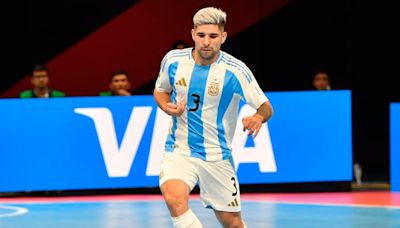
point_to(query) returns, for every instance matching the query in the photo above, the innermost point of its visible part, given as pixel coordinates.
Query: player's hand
(252, 124)
(175, 109)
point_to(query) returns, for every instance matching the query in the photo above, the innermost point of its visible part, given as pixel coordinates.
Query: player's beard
(207, 53)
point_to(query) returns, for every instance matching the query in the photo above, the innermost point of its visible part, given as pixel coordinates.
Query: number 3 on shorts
(234, 185)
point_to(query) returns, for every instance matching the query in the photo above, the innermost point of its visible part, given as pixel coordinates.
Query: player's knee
(176, 204)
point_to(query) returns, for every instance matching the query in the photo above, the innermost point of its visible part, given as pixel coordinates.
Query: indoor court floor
(272, 210)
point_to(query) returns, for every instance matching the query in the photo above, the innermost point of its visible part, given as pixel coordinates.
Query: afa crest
(213, 89)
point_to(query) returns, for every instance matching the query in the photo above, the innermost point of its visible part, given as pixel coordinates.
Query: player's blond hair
(210, 15)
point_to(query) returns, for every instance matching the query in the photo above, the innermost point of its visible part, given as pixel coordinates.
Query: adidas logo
(181, 82)
(233, 203)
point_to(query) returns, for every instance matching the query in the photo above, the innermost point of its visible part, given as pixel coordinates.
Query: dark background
(352, 40)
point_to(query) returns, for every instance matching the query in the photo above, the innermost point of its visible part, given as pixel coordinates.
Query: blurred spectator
(321, 81)
(179, 44)
(40, 82)
(119, 84)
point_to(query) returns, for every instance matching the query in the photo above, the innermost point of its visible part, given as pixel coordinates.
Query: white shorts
(219, 187)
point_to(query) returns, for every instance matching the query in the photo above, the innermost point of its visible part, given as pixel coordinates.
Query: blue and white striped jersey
(206, 128)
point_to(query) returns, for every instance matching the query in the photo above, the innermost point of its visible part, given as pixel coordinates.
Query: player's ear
(224, 35)
(193, 35)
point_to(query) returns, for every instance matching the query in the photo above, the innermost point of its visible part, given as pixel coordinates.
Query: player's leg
(230, 219)
(177, 179)
(219, 190)
(176, 196)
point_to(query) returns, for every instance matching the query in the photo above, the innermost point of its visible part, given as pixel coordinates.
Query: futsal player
(200, 88)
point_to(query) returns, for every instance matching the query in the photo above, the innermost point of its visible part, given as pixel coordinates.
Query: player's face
(208, 40)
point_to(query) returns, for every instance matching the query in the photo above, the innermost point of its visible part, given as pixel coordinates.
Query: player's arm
(163, 88)
(163, 100)
(253, 123)
(265, 111)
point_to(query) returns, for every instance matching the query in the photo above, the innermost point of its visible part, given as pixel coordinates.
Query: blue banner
(80, 143)
(395, 147)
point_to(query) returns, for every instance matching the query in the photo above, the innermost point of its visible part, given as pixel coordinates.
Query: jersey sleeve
(163, 83)
(251, 91)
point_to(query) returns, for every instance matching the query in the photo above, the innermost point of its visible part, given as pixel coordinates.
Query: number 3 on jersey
(196, 102)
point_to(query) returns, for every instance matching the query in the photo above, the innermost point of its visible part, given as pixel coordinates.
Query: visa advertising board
(118, 142)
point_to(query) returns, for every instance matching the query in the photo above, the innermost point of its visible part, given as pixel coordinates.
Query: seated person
(321, 81)
(119, 84)
(40, 82)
